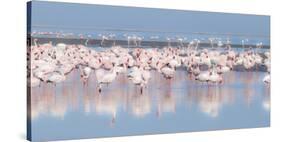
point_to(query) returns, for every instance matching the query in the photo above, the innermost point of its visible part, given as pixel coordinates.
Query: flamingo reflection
(124, 96)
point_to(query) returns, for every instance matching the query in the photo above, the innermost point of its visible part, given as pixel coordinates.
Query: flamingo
(220, 44)
(103, 38)
(104, 78)
(195, 70)
(168, 72)
(222, 69)
(203, 76)
(211, 42)
(54, 77)
(173, 63)
(54, 64)
(85, 73)
(140, 77)
(215, 77)
(95, 63)
(61, 46)
(145, 76)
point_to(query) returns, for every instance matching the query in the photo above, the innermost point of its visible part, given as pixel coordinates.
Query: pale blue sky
(100, 16)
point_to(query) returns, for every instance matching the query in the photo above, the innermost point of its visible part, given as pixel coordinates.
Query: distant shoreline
(96, 43)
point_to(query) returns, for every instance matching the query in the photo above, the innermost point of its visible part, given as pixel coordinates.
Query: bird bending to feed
(215, 77)
(209, 76)
(85, 73)
(54, 78)
(105, 78)
(203, 76)
(168, 72)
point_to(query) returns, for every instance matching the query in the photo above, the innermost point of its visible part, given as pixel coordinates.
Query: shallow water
(71, 110)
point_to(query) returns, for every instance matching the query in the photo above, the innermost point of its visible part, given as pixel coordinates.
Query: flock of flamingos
(52, 63)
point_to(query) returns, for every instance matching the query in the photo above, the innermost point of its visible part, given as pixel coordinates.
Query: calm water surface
(71, 110)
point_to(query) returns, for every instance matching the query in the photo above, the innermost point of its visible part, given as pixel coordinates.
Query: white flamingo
(168, 72)
(85, 73)
(105, 78)
(214, 77)
(203, 76)
(54, 78)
